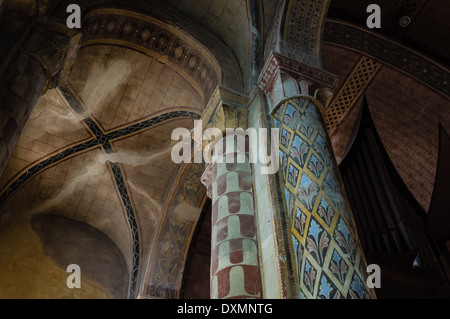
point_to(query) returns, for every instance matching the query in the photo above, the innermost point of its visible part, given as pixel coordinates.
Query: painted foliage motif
(329, 262)
(175, 234)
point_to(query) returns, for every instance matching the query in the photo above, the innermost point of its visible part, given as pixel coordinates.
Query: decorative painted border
(164, 274)
(388, 52)
(115, 26)
(127, 204)
(354, 86)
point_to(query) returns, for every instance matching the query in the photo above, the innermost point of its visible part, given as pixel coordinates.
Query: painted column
(329, 259)
(28, 74)
(235, 271)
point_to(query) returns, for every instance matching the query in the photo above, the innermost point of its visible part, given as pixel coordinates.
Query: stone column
(235, 271)
(28, 75)
(329, 259)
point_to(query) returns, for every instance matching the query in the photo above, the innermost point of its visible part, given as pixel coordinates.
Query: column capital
(304, 80)
(207, 178)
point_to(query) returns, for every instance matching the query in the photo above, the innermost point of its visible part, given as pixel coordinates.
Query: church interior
(87, 178)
